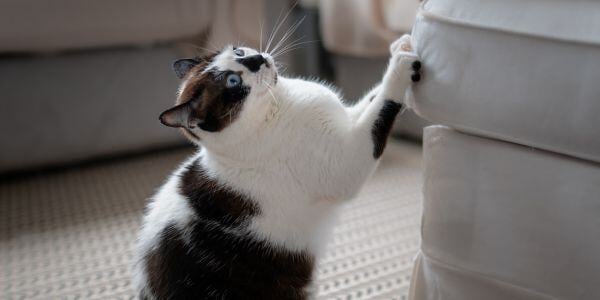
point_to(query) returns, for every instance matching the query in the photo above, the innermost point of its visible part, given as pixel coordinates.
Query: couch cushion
(524, 71)
(34, 25)
(500, 219)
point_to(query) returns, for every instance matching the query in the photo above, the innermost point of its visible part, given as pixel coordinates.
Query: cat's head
(220, 93)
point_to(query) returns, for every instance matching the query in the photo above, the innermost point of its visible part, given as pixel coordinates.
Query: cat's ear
(183, 66)
(178, 116)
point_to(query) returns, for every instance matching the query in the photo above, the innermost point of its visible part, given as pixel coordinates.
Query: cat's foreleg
(370, 123)
(357, 109)
(377, 118)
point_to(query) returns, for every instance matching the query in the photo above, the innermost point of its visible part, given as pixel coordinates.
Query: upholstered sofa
(512, 178)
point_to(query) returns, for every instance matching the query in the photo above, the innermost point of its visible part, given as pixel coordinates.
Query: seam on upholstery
(481, 276)
(453, 21)
(550, 150)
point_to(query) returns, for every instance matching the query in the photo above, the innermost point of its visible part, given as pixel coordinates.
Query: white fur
(294, 148)
(167, 207)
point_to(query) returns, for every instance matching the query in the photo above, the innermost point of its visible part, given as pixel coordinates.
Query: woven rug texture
(69, 234)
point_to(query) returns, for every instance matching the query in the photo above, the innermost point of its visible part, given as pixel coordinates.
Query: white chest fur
(299, 175)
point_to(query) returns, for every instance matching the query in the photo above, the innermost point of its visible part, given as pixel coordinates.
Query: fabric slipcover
(525, 71)
(505, 221)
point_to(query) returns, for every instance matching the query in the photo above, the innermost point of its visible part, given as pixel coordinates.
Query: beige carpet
(68, 235)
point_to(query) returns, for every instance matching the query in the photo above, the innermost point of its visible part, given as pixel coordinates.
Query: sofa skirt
(505, 221)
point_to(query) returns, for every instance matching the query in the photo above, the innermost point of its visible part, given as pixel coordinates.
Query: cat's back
(195, 243)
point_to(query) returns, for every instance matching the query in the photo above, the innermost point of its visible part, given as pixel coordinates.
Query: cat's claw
(416, 68)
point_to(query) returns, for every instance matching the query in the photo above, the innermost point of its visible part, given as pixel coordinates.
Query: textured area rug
(69, 234)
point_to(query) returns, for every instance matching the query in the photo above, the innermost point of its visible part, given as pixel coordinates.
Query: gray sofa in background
(68, 108)
(86, 79)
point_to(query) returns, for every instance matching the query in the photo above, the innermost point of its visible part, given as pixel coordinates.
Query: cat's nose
(252, 62)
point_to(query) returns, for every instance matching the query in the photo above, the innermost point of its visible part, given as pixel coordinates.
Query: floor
(69, 234)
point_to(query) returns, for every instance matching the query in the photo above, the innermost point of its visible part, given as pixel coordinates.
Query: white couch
(512, 182)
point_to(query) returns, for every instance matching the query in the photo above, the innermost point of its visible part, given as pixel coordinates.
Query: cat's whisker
(214, 47)
(270, 90)
(293, 47)
(260, 42)
(281, 67)
(272, 95)
(295, 42)
(291, 44)
(266, 83)
(229, 113)
(270, 35)
(289, 33)
(279, 24)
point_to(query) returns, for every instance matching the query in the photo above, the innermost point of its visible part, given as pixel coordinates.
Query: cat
(248, 215)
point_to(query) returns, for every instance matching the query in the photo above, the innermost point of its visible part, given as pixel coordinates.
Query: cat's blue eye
(233, 80)
(238, 52)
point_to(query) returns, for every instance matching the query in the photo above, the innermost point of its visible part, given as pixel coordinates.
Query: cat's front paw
(404, 62)
(403, 69)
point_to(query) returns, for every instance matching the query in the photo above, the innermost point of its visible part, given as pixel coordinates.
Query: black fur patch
(213, 201)
(216, 257)
(383, 126)
(416, 75)
(253, 62)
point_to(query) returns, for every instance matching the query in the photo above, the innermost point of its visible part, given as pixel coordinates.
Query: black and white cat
(249, 214)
